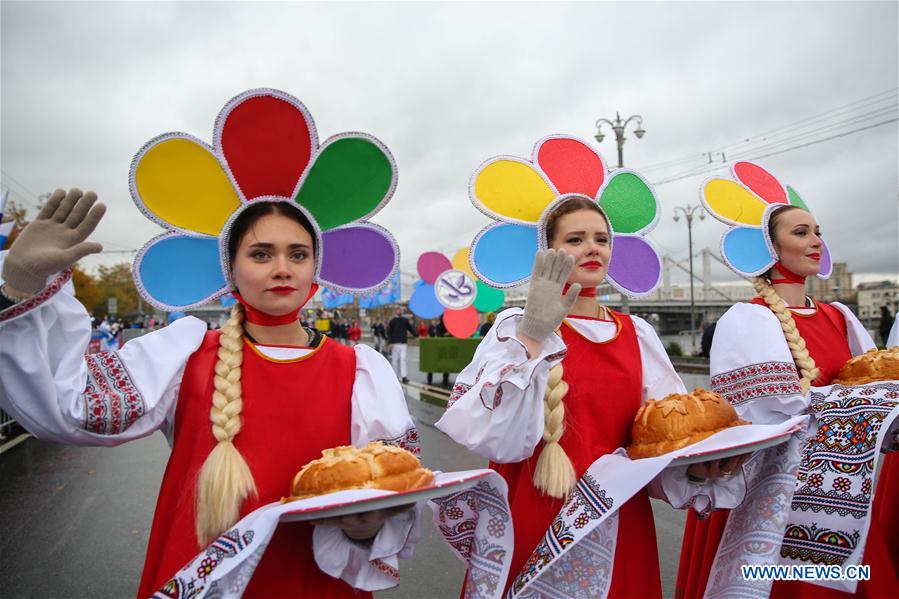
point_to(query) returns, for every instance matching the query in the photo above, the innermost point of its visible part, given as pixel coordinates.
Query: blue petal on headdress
(502, 254)
(423, 302)
(744, 249)
(176, 272)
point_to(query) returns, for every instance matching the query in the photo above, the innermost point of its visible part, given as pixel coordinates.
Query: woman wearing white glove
(556, 386)
(245, 407)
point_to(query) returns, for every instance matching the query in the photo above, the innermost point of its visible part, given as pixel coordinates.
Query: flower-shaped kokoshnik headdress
(265, 148)
(746, 204)
(521, 194)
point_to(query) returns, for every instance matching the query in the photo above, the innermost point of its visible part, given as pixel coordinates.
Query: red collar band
(585, 291)
(789, 277)
(261, 318)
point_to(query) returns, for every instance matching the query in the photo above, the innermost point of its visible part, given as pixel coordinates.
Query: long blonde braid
(225, 480)
(555, 474)
(804, 361)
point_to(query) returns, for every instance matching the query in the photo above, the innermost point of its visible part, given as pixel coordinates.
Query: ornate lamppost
(688, 211)
(618, 127)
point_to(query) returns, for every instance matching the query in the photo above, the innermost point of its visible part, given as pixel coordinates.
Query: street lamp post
(618, 127)
(688, 211)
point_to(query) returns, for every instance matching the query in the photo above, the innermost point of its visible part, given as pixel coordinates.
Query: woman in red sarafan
(245, 407)
(765, 355)
(574, 375)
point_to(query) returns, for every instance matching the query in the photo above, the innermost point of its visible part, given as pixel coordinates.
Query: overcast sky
(446, 86)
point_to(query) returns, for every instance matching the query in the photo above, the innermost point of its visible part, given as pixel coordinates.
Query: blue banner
(389, 294)
(332, 299)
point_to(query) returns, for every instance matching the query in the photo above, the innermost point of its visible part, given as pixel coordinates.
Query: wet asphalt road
(74, 521)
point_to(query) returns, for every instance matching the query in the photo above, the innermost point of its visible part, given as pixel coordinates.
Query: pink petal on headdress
(571, 165)
(431, 264)
(267, 141)
(761, 182)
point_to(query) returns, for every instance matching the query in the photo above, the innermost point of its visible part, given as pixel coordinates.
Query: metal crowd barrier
(6, 421)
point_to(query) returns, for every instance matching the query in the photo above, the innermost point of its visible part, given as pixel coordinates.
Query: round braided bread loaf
(375, 466)
(873, 365)
(663, 425)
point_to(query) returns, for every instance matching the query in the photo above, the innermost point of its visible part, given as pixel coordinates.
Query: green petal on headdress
(352, 177)
(629, 202)
(795, 200)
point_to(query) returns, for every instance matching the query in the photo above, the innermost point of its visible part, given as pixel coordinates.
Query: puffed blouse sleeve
(752, 368)
(659, 377)
(379, 413)
(496, 405)
(58, 393)
(857, 336)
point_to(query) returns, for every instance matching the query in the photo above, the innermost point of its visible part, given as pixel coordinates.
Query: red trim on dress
(37, 299)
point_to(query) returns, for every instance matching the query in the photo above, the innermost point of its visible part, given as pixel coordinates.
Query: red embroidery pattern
(36, 300)
(459, 389)
(757, 380)
(408, 441)
(111, 400)
(385, 568)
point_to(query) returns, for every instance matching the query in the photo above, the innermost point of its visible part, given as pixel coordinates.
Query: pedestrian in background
(398, 330)
(886, 323)
(488, 323)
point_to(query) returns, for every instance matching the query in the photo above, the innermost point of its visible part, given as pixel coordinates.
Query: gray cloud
(447, 86)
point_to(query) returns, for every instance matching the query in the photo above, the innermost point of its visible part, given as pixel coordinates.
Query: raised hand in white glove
(546, 307)
(53, 242)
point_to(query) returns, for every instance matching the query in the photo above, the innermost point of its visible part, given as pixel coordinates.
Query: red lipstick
(814, 256)
(592, 265)
(281, 290)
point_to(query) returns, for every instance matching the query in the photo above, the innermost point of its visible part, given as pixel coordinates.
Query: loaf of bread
(871, 366)
(375, 466)
(663, 425)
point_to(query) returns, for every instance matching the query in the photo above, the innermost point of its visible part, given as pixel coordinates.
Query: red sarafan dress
(297, 401)
(604, 394)
(826, 336)
(281, 431)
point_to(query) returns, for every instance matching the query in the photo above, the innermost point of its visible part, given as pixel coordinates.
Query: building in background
(838, 288)
(871, 296)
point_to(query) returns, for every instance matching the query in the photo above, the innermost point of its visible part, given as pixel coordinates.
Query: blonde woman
(766, 356)
(554, 387)
(242, 408)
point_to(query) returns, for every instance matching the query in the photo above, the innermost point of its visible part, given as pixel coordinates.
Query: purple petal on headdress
(358, 257)
(635, 267)
(423, 302)
(826, 262)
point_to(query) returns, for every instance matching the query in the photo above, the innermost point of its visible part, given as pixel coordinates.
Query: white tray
(343, 503)
(720, 454)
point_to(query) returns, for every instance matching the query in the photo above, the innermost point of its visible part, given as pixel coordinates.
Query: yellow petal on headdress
(460, 262)
(512, 189)
(182, 183)
(733, 202)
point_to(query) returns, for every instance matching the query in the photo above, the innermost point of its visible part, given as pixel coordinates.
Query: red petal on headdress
(761, 182)
(267, 142)
(571, 165)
